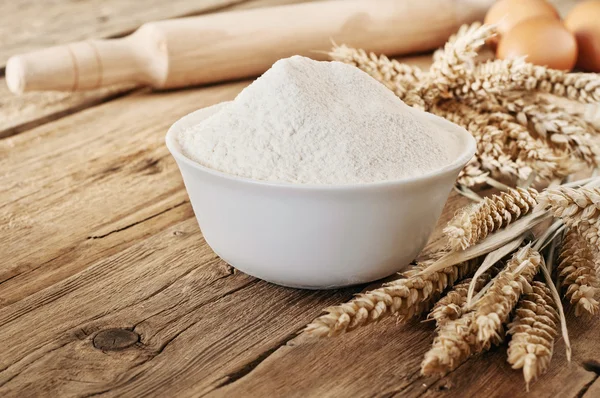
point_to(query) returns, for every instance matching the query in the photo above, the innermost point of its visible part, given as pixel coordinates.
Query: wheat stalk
(578, 274)
(495, 306)
(406, 297)
(533, 330)
(476, 222)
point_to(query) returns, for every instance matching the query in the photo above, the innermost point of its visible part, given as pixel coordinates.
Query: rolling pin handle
(83, 65)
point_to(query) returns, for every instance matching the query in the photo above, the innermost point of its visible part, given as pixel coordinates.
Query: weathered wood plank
(594, 389)
(386, 359)
(66, 185)
(172, 291)
(33, 24)
(21, 113)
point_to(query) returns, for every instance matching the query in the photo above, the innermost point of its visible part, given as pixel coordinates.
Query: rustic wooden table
(108, 288)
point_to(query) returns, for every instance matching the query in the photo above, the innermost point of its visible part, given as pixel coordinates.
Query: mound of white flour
(310, 122)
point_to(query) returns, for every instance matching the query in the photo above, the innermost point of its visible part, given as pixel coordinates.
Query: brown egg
(508, 13)
(584, 22)
(545, 41)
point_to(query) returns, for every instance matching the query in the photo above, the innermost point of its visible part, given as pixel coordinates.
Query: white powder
(312, 122)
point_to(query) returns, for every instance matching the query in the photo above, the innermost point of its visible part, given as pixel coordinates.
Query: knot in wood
(115, 339)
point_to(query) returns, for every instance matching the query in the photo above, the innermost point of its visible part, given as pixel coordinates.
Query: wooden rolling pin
(233, 45)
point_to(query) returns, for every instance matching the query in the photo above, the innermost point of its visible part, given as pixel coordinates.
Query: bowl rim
(461, 160)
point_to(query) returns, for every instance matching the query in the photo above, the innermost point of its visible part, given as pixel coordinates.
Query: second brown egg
(544, 41)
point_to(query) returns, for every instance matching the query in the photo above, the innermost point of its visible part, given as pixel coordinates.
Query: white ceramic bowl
(315, 236)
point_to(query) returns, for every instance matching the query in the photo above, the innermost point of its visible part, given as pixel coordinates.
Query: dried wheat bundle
(578, 273)
(578, 208)
(495, 306)
(493, 213)
(406, 297)
(453, 304)
(506, 148)
(533, 330)
(513, 142)
(455, 342)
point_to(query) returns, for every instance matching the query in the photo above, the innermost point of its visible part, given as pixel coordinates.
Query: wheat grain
(406, 297)
(495, 306)
(577, 272)
(476, 222)
(533, 330)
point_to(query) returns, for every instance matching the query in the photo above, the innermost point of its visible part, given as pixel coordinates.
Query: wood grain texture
(172, 291)
(25, 111)
(68, 187)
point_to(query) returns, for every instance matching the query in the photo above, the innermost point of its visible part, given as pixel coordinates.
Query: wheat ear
(455, 342)
(533, 330)
(582, 87)
(523, 76)
(406, 297)
(452, 64)
(493, 213)
(577, 207)
(577, 272)
(453, 304)
(495, 306)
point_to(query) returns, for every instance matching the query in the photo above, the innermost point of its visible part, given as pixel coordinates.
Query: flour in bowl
(310, 122)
